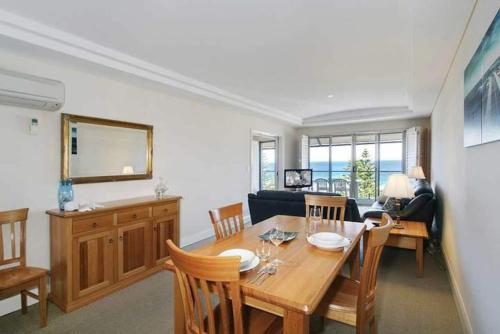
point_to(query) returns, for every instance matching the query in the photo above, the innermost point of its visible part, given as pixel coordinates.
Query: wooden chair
(330, 202)
(15, 279)
(339, 186)
(321, 185)
(200, 280)
(353, 302)
(227, 220)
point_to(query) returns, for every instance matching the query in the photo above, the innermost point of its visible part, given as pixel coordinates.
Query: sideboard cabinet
(97, 252)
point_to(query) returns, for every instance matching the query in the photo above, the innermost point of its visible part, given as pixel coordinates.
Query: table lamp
(398, 186)
(417, 173)
(128, 170)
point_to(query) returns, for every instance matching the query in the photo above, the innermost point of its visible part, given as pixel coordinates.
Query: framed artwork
(482, 90)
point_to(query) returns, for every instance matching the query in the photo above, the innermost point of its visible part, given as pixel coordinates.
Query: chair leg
(373, 326)
(24, 303)
(42, 300)
(360, 325)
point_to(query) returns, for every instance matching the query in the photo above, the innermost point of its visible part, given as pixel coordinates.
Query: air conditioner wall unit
(29, 91)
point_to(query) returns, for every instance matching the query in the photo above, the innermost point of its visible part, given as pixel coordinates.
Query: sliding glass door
(391, 157)
(364, 172)
(341, 165)
(268, 165)
(356, 165)
(319, 157)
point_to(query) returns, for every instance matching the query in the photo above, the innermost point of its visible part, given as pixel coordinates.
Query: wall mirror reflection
(101, 150)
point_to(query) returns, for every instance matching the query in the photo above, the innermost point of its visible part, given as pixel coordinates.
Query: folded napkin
(288, 235)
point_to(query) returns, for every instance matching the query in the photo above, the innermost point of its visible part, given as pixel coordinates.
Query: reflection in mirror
(100, 150)
(96, 150)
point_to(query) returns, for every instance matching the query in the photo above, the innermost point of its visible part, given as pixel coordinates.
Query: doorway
(265, 162)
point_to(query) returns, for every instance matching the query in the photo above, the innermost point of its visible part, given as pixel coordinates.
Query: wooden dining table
(300, 282)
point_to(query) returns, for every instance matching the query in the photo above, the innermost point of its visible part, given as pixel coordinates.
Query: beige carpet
(405, 304)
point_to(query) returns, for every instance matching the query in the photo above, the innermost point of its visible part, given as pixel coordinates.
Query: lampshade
(417, 173)
(128, 170)
(398, 186)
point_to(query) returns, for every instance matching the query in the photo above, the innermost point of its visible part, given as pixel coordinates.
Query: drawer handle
(121, 238)
(110, 241)
(165, 210)
(94, 225)
(134, 216)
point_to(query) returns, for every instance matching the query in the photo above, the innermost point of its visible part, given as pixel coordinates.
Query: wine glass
(316, 214)
(263, 250)
(277, 237)
(311, 228)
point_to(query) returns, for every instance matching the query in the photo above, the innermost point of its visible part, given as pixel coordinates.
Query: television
(298, 178)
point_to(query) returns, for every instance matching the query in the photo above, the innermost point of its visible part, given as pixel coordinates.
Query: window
(267, 153)
(356, 165)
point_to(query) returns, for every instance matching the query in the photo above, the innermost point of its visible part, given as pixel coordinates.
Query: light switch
(34, 127)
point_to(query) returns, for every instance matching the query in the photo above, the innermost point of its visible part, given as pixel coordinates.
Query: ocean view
(339, 169)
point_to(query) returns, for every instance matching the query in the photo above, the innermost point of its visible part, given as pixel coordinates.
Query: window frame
(377, 135)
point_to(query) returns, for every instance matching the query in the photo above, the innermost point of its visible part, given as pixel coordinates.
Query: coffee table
(411, 236)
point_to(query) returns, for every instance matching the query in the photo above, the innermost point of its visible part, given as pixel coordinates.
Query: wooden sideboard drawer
(93, 223)
(133, 214)
(162, 210)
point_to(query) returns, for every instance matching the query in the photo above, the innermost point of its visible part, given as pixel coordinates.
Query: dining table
(300, 283)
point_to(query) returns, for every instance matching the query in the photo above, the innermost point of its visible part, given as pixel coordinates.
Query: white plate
(327, 238)
(246, 256)
(339, 246)
(252, 265)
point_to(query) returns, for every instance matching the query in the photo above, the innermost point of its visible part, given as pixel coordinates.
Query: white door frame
(273, 136)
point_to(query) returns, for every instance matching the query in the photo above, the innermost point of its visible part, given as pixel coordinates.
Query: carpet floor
(405, 304)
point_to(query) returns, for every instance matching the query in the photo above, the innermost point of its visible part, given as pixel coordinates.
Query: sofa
(420, 208)
(268, 203)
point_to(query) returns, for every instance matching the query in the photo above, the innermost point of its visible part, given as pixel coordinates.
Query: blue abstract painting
(482, 90)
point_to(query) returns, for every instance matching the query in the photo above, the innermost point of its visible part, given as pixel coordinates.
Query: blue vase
(64, 193)
(60, 194)
(70, 194)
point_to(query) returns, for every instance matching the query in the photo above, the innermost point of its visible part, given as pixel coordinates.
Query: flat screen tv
(298, 178)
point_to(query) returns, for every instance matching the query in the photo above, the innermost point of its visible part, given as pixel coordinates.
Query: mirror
(101, 150)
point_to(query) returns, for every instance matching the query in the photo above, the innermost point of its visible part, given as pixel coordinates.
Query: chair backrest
(321, 184)
(13, 228)
(227, 220)
(337, 203)
(376, 241)
(339, 185)
(197, 276)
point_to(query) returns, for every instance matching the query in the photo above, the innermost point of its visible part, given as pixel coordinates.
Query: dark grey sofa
(268, 203)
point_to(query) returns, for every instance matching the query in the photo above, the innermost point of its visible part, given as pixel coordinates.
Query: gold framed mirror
(102, 150)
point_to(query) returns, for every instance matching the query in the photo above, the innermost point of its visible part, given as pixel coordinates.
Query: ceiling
(307, 62)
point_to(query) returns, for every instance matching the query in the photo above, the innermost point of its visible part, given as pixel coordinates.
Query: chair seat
(259, 321)
(12, 277)
(340, 302)
(254, 321)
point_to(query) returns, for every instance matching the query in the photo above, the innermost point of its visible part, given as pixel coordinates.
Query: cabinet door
(132, 249)
(163, 229)
(92, 263)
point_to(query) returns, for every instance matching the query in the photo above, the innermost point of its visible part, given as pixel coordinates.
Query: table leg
(179, 321)
(420, 257)
(355, 263)
(295, 323)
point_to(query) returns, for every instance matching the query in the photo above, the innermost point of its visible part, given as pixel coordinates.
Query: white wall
(467, 182)
(201, 147)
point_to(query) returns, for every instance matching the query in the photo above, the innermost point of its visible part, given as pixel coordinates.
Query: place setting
(324, 240)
